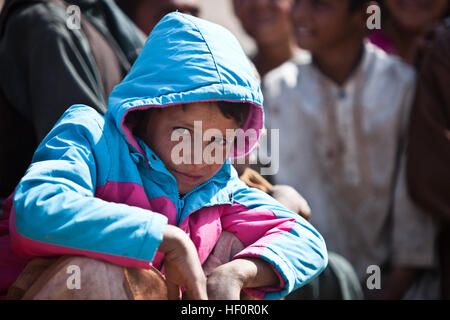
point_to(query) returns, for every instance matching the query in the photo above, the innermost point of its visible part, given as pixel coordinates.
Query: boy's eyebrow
(185, 124)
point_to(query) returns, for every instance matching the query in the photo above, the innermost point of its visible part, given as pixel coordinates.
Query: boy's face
(148, 13)
(266, 21)
(323, 24)
(416, 15)
(171, 131)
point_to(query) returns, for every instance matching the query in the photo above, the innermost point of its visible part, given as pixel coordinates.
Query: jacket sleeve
(296, 251)
(55, 211)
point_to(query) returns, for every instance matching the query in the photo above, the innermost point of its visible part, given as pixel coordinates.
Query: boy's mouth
(263, 19)
(303, 32)
(414, 5)
(186, 177)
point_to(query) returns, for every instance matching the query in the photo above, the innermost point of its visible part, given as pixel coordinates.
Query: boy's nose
(258, 4)
(301, 10)
(263, 2)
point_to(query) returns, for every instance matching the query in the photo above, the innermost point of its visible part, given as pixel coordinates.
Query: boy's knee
(225, 249)
(83, 278)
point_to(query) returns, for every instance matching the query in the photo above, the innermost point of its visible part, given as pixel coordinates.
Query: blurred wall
(221, 12)
(1, 4)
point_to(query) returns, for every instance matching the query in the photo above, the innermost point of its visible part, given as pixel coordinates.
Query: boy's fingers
(197, 290)
(173, 291)
(198, 293)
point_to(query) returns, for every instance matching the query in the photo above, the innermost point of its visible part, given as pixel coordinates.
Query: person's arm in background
(413, 232)
(397, 284)
(428, 159)
(413, 244)
(284, 194)
(47, 67)
(426, 173)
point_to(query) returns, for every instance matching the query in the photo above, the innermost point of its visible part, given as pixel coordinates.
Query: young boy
(268, 23)
(405, 25)
(341, 113)
(113, 188)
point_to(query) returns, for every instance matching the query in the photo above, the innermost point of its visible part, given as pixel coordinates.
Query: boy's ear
(137, 121)
(237, 7)
(366, 6)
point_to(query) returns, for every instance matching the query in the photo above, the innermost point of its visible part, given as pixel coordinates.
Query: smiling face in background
(416, 15)
(266, 21)
(149, 12)
(179, 121)
(323, 24)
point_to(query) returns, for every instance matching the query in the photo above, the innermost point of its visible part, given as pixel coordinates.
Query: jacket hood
(186, 59)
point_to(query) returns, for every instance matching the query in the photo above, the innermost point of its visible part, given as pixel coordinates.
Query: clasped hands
(183, 269)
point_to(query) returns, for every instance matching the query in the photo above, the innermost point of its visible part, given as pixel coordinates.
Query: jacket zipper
(181, 201)
(180, 206)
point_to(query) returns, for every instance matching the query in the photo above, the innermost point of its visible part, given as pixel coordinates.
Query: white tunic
(338, 148)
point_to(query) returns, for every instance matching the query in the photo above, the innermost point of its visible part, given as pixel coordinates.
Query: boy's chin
(184, 189)
(306, 44)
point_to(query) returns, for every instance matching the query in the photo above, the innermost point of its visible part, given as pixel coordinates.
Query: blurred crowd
(363, 117)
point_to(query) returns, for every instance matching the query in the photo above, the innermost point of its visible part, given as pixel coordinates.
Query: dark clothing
(45, 67)
(428, 166)
(337, 282)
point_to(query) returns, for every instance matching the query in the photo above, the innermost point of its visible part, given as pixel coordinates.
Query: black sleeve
(47, 67)
(429, 134)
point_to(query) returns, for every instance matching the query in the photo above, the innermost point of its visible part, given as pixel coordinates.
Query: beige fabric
(99, 280)
(337, 148)
(50, 279)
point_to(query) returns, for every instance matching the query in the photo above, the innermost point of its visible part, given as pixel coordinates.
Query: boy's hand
(227, 280)
(182, 265)
(396, 285)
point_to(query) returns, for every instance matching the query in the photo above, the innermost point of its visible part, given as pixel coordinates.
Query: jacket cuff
(154, 231)
(278, 265)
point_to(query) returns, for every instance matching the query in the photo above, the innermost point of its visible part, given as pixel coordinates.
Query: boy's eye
(219, 141)
(222, 141)
(319, 4)
(182, 131)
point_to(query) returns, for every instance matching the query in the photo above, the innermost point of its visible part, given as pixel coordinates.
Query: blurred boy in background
(147, 13)
(342, 115)
(405, 23)
(268, 23)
